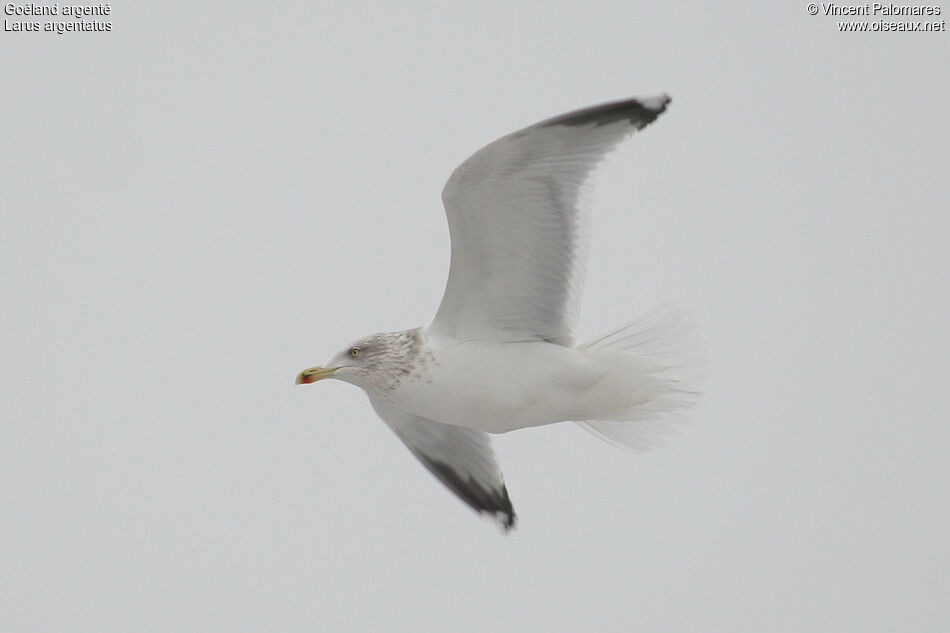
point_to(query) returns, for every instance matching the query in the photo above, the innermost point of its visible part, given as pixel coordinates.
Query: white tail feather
(668, 336)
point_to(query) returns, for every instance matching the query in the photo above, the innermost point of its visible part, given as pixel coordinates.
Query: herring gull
(500, 354)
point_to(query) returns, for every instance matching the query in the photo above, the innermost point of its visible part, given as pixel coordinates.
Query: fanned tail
(667, 336)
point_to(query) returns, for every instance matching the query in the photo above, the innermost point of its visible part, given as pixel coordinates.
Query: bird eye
(355, 352)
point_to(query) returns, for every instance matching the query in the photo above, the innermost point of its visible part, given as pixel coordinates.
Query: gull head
(376, 363)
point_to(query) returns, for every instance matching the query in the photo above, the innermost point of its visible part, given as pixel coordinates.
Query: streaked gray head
(377, 362)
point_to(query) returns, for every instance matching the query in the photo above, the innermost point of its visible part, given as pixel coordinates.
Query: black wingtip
(506, 515)
(639, 112)
(494, 502)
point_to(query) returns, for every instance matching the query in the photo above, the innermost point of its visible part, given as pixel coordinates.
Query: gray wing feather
(460, 458)
(518, 230)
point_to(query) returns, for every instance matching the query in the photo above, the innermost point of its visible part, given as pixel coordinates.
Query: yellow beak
(314, 374)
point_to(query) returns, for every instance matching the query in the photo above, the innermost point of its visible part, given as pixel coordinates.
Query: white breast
(500, 387)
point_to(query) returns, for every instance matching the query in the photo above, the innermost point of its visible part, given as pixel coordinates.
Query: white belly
(501, 387)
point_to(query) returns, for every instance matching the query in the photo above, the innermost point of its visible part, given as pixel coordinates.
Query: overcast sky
(203, 201)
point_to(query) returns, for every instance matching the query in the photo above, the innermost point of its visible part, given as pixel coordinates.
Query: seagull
(500, 354)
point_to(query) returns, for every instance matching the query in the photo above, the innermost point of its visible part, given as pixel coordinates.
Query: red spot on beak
(314, 374)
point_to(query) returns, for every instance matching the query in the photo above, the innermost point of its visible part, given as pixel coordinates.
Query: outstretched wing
(519, 235)
(461, 458)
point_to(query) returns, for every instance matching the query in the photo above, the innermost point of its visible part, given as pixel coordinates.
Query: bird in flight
(499, 354)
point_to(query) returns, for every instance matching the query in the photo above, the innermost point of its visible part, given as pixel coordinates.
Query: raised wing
(461, 458)
(519, 234)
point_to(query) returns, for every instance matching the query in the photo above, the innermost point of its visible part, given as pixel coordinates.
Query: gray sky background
(208, 199)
